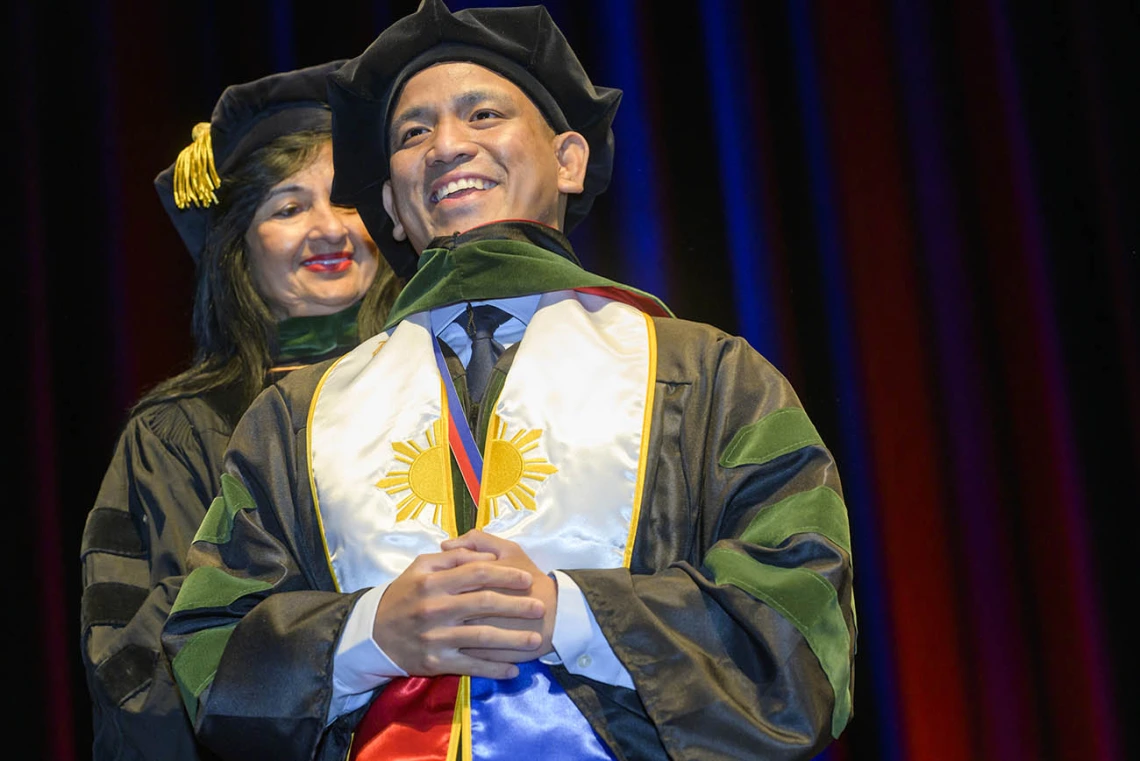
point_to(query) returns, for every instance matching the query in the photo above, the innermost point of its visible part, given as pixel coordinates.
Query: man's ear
(390, 207)
(573, 154)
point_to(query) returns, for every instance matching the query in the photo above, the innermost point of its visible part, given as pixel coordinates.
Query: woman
(284, 278)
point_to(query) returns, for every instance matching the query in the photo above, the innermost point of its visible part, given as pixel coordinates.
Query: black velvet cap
(521, 44)
(246, 117)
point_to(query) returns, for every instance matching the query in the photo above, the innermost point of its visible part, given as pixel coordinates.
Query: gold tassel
(195, 178)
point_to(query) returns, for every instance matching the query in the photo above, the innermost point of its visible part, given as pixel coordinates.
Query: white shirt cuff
(359, 665)
(579, 644)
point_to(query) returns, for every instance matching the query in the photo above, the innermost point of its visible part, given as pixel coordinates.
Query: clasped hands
(476, 608)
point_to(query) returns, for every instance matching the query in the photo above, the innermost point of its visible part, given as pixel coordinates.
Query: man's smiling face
(468, 147)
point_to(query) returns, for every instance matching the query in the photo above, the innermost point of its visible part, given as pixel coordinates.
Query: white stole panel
(563, 460)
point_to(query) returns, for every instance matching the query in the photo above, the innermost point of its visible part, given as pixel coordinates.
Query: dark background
(924, 213)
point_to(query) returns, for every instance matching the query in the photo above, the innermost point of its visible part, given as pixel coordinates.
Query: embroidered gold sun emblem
(427, 479)
(508, 467)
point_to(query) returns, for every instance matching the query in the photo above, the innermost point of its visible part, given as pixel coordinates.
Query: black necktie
(481, 324)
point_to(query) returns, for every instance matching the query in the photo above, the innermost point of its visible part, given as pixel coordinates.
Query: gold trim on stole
(639, 489)
(309, 467)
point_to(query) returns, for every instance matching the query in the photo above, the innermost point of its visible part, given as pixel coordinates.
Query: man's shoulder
(689, 330)
(692, 338)
(685, 347)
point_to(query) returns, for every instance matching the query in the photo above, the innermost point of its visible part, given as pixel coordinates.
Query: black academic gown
(735, 618)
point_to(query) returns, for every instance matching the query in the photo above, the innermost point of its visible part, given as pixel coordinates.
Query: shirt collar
(519, 307)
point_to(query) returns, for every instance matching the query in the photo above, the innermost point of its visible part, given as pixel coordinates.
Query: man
(625, 542)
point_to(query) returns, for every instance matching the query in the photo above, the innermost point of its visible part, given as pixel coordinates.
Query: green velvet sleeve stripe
(773, 435)
(209, 587)
(195, 665)
(218, 525)
(810, 603)
(818, 511)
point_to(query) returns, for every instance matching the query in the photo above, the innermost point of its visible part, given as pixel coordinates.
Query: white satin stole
(564, 460)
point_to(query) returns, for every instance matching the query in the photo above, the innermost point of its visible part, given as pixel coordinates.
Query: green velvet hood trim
(300, 337)
(488, 264)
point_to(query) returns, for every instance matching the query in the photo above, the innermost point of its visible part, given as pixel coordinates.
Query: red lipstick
(338, 261)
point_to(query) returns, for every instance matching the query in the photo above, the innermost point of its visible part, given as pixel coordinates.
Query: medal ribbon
(459, 436)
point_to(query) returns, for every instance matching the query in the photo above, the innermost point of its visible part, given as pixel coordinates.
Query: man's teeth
(465, 184)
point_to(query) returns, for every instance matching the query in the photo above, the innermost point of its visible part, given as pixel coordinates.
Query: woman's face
(307, 256)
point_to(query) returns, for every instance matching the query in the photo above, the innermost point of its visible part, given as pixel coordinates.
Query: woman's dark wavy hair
(235, 335)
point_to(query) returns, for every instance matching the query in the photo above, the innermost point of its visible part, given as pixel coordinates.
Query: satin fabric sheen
(411, 720)
(579, 379)
(528, 717)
